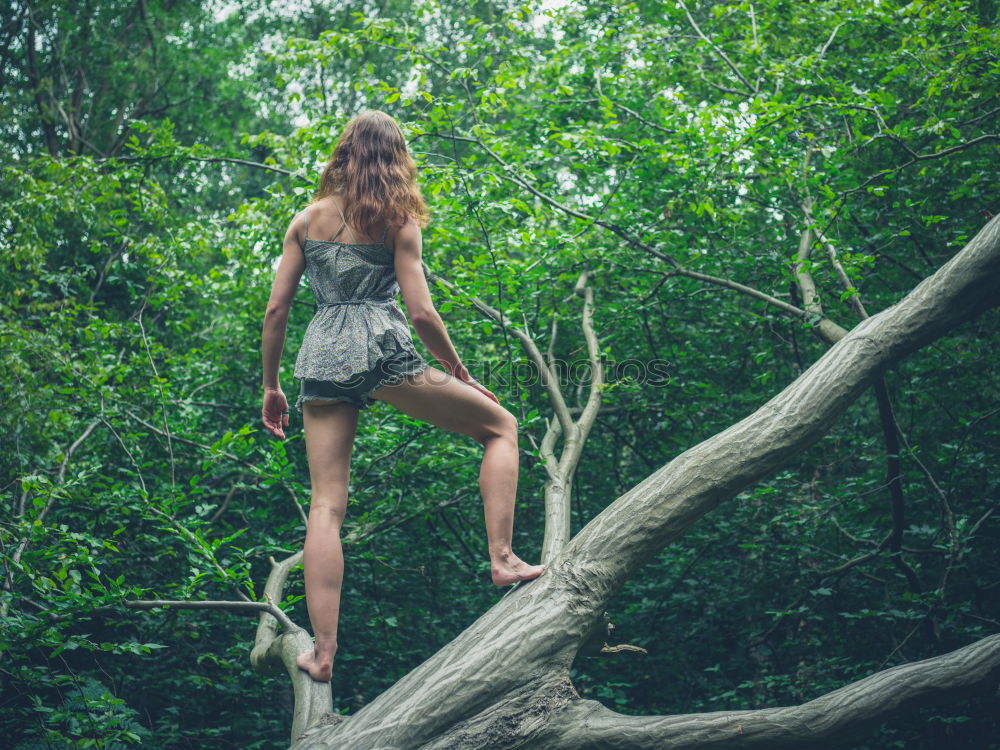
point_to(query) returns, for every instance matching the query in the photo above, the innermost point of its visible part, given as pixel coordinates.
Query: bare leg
(329, 431)
(438, 398)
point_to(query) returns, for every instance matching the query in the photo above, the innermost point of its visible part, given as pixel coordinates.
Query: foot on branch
(319, 666)
(509, 568)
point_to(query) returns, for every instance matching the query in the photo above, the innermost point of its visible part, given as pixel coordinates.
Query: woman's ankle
(501, 556)
(325, 645)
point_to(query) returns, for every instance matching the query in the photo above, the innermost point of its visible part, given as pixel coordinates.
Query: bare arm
(275, 411)
(424, 316)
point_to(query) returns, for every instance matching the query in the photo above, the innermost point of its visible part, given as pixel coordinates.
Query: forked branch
(313, 700)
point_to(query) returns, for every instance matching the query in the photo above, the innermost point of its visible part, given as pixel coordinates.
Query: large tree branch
(663, 506)
(40, 84)
(825, 722)
(555, 613)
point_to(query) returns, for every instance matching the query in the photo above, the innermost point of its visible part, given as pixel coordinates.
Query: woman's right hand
(462, 374)
(274, 413)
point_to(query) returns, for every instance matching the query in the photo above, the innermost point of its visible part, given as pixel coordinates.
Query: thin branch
(860, 559)
(890, 432)
(298, 505)
(225, 503)
(163, 402)
(983, 116)
(53, 496)
(229, 159)
(845, 281)
(636, 115)
(135, 464)
(589, 413)
(486, 238)
(210, 449)
(718, 50)
(199, 544)
(803, 277)
(553, 429)
(830, 331)
(622, 648)
(923, 157)
(549, 378)
(252, 607)
(643, 120)
(358, 535)
(553, 332)
(829, 41)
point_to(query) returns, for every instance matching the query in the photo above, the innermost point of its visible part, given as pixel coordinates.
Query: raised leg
(329, 431)
(436, 397)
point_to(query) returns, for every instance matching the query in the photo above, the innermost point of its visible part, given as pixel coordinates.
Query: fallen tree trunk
(825, 722)
(503, 682)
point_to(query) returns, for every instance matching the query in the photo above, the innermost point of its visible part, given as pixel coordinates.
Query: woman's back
(358, 324)
(340, 271)
(326, 220)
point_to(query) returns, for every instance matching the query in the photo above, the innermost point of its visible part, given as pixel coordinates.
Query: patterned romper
(359, 338)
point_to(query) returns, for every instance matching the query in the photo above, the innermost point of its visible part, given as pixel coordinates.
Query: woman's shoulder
(410, 226)
(406, 230)
(297, 229)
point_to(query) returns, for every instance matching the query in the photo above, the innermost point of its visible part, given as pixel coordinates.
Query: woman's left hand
(469, 380)
(275, 411)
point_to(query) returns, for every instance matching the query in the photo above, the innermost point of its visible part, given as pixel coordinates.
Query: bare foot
(319, 667)
(511, 569)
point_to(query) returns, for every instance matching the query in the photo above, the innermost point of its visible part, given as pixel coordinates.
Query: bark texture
(826, 722)
(503, 682)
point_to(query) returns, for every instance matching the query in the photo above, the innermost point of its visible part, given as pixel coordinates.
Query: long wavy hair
(374, 173)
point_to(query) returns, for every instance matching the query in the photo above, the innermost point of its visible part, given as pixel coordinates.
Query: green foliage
(140, 241)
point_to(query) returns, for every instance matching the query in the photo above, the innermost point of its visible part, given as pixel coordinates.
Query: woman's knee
(327, 512)
(502, 425)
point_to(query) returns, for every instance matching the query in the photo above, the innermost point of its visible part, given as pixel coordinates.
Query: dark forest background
(153, 154)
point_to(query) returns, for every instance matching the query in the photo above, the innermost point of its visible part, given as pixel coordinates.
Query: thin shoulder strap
(344, 225)
(305, 222)
(385, 233)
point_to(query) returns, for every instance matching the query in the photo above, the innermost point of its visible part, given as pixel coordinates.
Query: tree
(714, 194)
(504, 681)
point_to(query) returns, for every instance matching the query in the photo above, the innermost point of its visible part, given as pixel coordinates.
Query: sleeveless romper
(359, 338)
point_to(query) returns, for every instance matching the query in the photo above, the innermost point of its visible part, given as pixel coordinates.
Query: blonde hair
(374, 172)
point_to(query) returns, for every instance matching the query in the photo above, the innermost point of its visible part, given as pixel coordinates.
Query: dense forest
(678, 240)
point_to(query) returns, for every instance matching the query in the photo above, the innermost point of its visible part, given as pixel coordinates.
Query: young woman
(358, 349)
